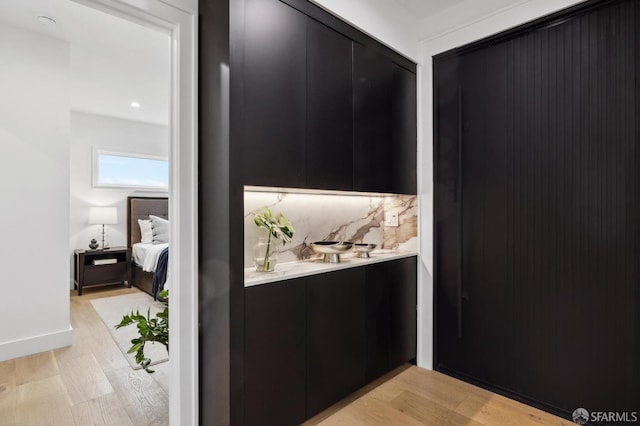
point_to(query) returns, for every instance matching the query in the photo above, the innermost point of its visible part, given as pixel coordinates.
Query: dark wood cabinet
(275, 353)
(372, 135)
(401, 279)
(276, 95)
(335, 337)
(101, 267)
(391, 316)
(273, 99)
(312, 341)
(402, 170)
(329, 109)
(385, 124)
(378, 330)
(338, 114)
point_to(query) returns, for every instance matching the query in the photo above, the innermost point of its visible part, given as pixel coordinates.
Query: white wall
(34, 188)
(384, 20)
(458, 34)
(89, 131)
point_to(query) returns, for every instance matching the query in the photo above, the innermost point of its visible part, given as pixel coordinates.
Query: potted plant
(149, 329)
(278, 227)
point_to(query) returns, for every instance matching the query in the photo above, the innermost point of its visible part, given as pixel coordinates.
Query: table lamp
(103, 216)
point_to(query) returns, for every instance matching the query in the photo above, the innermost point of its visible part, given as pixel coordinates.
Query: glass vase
(265, 254)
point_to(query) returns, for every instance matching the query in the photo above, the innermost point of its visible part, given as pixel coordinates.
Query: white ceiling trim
(464, 14)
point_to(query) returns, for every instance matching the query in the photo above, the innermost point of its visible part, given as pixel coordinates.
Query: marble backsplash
(328, 217)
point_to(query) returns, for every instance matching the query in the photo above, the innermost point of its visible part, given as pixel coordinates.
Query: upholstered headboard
(141, 208)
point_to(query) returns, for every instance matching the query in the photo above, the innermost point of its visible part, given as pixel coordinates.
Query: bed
(144, 256)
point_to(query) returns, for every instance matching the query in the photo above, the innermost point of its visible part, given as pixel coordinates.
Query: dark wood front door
(537, 212)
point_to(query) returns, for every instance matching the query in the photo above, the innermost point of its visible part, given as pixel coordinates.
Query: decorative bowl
(363, 249)
(331, 249)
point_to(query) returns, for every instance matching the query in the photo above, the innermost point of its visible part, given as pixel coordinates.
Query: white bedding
(146, 255)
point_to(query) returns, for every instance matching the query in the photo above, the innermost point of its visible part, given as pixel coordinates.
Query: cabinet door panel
(385, 135)
(391, 315)
(378, 316)
(329, 109)
(372, 89)
(275, 366)
(274, 95)
(403, 150)
(403, 298)
(335, 337)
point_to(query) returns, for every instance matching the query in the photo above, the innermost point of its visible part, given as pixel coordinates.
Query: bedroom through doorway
(83, 149)
(120, 86)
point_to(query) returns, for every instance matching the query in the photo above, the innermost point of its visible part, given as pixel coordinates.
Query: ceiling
(113, 62)
(437, 17)
(421, 9)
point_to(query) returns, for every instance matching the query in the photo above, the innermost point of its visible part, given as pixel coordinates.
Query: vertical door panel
(550, 218)
(329, 109)
(403, 143)
(372, 120)
(378, 316)
(575, 229)
(447, 127)
(274, 95)
(336, 354)
(275, 353)
(402, 282)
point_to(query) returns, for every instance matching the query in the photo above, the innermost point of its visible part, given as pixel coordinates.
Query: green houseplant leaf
(278, 227)
(150, 329)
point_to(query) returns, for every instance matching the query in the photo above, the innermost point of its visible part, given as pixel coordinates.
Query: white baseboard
(36, 344)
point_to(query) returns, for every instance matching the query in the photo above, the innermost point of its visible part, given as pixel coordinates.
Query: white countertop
(286, 271)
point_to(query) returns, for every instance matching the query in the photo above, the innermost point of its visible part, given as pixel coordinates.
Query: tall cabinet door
(275, 353)
(273, 101)
(391, 317)
(537, 219)
(384, 120)
(372, 94)
(329, 108)
(336, 347)
(403, 316)
(403, 152)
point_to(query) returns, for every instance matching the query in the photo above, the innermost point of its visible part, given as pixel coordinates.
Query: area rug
(111, 310)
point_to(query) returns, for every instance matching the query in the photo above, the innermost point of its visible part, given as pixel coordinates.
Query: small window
(133, 171)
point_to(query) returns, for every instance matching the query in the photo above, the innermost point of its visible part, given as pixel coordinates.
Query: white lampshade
(103, 216)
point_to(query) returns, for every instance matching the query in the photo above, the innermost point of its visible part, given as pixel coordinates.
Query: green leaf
(279, 226)
(150, 329)
(136, 347)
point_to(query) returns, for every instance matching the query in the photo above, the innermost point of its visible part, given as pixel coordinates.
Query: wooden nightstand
(91, 267)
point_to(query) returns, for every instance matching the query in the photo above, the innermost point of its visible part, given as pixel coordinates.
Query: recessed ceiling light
(135, 104)
(46, 21)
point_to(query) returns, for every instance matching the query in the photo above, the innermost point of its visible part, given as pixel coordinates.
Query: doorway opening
(180, 25)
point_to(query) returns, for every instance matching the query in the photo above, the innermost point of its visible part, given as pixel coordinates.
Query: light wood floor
(414, 396)
(89, 383)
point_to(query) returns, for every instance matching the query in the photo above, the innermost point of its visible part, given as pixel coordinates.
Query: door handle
(461, 294)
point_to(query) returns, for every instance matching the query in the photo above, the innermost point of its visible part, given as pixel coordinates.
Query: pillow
(146, 233)
(160, 230)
